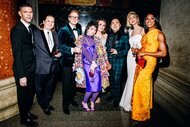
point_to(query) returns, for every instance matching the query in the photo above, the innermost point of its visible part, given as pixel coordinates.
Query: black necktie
(32, 37)
(74, 29)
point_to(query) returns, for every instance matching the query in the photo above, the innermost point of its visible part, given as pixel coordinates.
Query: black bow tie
(74, 29)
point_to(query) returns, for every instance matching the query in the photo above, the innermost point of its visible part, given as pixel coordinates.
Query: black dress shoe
(66, 111)
(32, 116)
(51, 108)
(29, 122)
(74, 103)
(47, 111)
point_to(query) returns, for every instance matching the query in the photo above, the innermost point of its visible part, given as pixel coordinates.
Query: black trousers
(45, 87)
(68, 86)
(25, 96)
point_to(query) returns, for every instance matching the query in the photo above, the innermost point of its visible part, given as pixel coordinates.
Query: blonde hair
(73, 11)
(127, 18)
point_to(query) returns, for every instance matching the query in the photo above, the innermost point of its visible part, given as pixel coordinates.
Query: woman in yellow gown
(153, 46)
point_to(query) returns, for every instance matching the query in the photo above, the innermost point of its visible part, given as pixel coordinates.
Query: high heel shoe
(92, 106)
(85, 107)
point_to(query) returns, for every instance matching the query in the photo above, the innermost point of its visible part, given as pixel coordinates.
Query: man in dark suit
(24, 64)
(46, 43)
(117, 48)
(67, 37)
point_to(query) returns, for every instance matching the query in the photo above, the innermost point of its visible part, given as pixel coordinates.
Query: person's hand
(113, 51)
(93, 66)
(140, 54)
(77, 50)
(134, 51)
(23, 81)
(57, 55)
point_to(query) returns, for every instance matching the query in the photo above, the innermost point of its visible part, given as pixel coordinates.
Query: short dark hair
(91, 23)
(24, 5)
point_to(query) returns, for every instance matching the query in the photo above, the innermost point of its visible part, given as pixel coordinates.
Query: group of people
(93, 60)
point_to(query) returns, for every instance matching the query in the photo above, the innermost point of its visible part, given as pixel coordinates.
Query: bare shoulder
(161, 36)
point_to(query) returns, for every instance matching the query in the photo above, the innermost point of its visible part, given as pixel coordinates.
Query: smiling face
(73, 18)
(91, 31)
(101, 26)
(133, 19)
(150, 21)
(26, 14)
(49, 22)
(115, 25)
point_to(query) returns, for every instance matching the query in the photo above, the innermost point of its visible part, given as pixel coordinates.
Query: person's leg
(66, 90)
(112, 80)
(94, 96)
(50, 87)
(40, 91)
(86, 96)
(118, 83)
(31, 91)
(85, 100)
(73, 89)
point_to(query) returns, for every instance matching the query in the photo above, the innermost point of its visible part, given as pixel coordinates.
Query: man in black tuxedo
(24, 64)
(46, 43)
(67, 37)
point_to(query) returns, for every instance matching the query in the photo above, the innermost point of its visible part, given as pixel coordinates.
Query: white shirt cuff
(72, 50)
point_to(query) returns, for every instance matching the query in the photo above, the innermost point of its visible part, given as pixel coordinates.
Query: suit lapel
(54, 41)
(45, 41)
(71, 31)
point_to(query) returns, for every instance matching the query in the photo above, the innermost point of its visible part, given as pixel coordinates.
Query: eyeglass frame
(74, 17)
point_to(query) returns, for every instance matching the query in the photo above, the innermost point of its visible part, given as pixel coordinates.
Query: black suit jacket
(45, 62)
(67, 41)
(23, 51)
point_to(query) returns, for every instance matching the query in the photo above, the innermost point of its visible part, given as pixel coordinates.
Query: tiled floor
(104, 116)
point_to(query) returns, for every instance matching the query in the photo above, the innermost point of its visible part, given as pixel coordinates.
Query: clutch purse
(141, 62)
(91, 73)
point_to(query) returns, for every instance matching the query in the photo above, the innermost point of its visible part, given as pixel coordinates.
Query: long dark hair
(158, 26)
(91, 23)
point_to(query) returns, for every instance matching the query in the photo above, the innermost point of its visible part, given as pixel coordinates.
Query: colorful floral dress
(103, 62)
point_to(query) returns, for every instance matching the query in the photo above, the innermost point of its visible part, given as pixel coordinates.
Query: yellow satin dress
(142, 91)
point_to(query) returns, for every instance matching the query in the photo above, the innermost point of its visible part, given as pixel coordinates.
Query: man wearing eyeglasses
(67, 37)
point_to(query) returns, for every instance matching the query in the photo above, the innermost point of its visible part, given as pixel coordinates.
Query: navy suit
(67, 41)
(23, 66)
(46, 67)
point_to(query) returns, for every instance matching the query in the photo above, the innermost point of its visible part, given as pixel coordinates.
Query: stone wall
(172, 87)
(175, 22)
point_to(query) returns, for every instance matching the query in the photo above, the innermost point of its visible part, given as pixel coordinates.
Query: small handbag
(141, 62)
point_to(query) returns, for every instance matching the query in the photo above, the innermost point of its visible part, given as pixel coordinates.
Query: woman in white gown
(135, 35)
